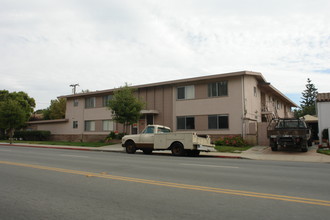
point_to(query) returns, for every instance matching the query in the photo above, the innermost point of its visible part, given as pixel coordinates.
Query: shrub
(115, 135)
(235, 141)
(112, 135)
(32, 135)
(121, 135)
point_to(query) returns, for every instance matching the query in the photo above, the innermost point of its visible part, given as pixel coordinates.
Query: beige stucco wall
(54, 128)
(252, 101)
(242, 105)
(202, 106)
(159, 99)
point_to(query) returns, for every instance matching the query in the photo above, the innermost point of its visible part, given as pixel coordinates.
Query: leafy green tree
(25, 102)
(125, 107)
(56, 110)
(307, 105)
(15, 109)
(12, 116)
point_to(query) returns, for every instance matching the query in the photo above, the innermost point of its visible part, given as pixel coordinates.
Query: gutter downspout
(243, 104)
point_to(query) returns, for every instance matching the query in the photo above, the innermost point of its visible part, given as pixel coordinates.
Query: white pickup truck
(159, 137)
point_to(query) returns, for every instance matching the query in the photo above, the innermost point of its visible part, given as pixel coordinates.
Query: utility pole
(74, 87)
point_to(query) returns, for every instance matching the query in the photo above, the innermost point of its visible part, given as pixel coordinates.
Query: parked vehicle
(159, 137)
(288, 133)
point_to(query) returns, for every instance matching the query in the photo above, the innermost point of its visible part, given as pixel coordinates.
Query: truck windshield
(149, 130)
(291, 124)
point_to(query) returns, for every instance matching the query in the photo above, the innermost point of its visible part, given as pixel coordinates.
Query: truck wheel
(177, 149)
(147, 151)
(130, 147)
(274, 147)
(304, 147)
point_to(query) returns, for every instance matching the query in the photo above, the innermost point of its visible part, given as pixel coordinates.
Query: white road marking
(70, 155)
(205, 165)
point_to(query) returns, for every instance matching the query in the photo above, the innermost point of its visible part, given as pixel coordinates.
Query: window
(163, 130)
(278, 105)
(89, 125)
(106, 100)
(90, 102)
(255, 91)
(150, 119)
(186, 92)
(186, 122)
(107, 125)
(218, 89)
(149, 130)
(218, 122)
(75, 124)
(75, 102)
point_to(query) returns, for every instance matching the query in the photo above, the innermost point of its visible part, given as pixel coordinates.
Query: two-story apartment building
(217, 105)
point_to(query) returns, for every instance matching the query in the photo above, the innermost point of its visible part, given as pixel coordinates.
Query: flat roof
(262, 81)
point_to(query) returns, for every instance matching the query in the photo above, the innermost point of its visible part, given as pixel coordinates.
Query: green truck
(288, 132)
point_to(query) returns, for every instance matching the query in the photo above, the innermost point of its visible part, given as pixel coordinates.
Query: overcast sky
(47, 45)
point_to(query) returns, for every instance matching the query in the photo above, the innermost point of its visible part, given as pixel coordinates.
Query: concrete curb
(50, 147)
(107, 150)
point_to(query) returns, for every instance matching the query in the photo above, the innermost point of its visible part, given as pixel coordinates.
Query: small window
(255, 91)
(75, 124)
(106, 100)
(90, 102)
(107, 125)
(186, 92)
(89, 125)
(163, 130)
(218, 89)
(185, 122)
(218, 121)
(75, 102)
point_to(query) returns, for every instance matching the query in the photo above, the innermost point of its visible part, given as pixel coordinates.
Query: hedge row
(32, 135)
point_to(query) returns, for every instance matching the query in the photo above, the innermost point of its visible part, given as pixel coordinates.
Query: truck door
(147, 137)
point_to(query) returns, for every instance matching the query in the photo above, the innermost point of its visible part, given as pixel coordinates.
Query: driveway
(265, 153)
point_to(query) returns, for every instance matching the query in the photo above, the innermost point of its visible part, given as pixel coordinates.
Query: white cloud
(47, 45)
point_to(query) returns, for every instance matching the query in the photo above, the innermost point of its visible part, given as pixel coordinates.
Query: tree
(12, 116)
(307, 105)
(25, 102)
(15, 109)
(56, 110)
(125, 107)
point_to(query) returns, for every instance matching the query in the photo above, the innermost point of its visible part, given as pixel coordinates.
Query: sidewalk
(254, 153)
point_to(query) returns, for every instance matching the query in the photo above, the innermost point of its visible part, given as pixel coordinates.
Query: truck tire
(147, 151)
(304, 147)
(274, 147)
(130, 147)
(177, 149)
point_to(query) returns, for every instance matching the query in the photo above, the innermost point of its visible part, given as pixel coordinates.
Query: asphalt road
(64, 184)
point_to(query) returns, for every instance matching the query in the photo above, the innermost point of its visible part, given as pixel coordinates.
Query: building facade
(216, 105)
(323, 112)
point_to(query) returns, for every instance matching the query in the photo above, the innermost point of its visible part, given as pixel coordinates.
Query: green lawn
(327, 152)
(230, 149)
(65, 143)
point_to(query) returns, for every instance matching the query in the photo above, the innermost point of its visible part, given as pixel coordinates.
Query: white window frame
(89, 125)
(90, 102)
(189, 92)
(107, 125)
